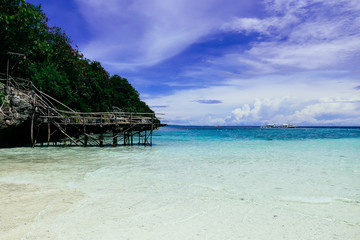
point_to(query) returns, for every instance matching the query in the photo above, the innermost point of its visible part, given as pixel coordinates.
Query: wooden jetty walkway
(53, 123)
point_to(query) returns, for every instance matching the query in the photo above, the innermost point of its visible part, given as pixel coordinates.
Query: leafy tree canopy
(57, 68)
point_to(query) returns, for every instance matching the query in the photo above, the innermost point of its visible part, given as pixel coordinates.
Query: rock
(16, 109)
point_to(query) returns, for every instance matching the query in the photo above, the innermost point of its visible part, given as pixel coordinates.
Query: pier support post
(101, 138)
(32, 130)
(41, 135)
(49, 131)
(131, 133)
(145, 139)
(85, 136)
(32, 122)
(101, 132)
(152, 128)
(115, 138)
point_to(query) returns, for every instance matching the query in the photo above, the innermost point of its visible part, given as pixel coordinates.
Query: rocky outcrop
(15, 116)
(16, 108)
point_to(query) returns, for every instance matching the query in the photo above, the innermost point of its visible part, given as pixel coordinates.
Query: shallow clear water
(194, 183)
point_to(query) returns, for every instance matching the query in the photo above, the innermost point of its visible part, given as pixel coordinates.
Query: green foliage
(23, 29)
(2, 95)
(59, 85)
(126, 97)
(55, 66)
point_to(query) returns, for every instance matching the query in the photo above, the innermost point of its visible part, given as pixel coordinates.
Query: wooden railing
(75, 126)
(100, 118)
(48, 107)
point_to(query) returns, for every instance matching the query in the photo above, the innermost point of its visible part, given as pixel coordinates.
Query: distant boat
(271, 125)
(287, 126)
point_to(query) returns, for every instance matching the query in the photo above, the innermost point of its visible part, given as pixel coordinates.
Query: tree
(55, 67)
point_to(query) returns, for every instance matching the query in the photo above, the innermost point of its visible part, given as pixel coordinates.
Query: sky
(226, 62)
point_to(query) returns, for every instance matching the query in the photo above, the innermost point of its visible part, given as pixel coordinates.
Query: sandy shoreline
(25, 207)
(28, 211)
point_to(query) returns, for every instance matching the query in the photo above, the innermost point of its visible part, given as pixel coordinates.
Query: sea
(193, 183)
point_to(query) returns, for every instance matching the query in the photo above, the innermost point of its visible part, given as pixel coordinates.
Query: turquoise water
(308, 163)
(194, 183)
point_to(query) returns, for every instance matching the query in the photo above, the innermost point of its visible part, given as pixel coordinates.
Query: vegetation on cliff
(56, 67)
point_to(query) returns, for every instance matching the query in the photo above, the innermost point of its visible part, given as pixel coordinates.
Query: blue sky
(226, 62)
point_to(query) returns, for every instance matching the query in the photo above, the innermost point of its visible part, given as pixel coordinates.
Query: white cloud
(274, 26)
(301, 35)
(297, 71)
(333, 111)
(244, 112)
(291, 110)
(249, 25)
(308, 56)
(309, 98)
(263, 111)
(128, 34)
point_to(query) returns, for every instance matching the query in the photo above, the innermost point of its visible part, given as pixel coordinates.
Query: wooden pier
(83, 129)
(53, 123)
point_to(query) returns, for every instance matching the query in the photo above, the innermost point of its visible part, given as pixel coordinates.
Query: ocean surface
(193, 183)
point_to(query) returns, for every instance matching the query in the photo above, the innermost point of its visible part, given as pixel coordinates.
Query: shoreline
(196, 184)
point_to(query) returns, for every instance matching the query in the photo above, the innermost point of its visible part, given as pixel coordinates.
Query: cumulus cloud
(329, 112)
(290, 110)
(268, 99)
(262, 110)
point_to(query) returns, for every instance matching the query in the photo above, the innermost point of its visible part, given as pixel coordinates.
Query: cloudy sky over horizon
(226, 62)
